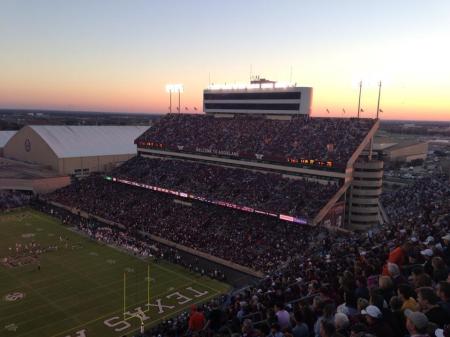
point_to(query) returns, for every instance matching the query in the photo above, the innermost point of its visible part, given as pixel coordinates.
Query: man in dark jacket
(428, 301)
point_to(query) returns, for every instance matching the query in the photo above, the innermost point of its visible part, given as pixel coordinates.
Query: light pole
(359, 98)
(379, 95)
(174, 88)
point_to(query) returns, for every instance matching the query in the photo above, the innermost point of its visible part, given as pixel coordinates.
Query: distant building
(5, 136)
(402, 152)
(74, 150)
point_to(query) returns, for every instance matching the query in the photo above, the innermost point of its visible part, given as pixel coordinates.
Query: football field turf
(79, 289)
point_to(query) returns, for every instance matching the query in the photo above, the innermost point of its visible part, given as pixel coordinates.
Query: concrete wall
(91, 164)
(365, 192)
(37, 186)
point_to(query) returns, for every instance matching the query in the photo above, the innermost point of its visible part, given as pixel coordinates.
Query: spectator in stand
(406, 294)
(283, 316)
(398, 256)
(196, 320)
(443, 332)
(446, 248)
(247, 328)
(342, 324)
(327, 329)
(377, 325)
(215, 318)
(275, 331)
(416, 324)
(395, 274)
(327, 315)
(428, 301)
(443, 291)
(397, 316)
(300, 329)
(440, 269)
(427, 255)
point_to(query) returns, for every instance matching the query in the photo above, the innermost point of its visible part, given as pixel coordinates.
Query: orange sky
(81, 56)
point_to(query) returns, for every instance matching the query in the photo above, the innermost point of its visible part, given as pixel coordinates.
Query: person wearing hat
(443, 332)
(427, 255)
(376, 324)
(416, 323)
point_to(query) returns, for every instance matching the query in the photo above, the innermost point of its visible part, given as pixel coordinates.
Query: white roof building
(77, 150)
(5, 136)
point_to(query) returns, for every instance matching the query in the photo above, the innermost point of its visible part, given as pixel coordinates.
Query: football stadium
(250, 219)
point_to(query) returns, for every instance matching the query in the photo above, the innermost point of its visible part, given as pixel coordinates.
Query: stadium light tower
(174, 88)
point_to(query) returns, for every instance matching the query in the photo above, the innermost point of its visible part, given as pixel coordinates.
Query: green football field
(79, 290)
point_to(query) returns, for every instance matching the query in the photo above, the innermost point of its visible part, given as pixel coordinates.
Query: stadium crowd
(12, 199)
(263, 191)
(328, 139)
(392, 281)
(257, 242)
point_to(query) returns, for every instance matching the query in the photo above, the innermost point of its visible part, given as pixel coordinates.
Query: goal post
(127, 315)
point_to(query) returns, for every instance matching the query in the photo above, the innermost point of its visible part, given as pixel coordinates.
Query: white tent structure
(77, 150)
(5, 136)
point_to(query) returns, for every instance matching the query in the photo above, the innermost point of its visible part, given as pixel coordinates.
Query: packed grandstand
(325, 142)
(314, 282)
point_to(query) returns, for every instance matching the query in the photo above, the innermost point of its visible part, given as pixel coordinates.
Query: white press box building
(261, 96)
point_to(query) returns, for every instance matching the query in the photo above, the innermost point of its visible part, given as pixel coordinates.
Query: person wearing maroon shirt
(398, 256)
(196, 319)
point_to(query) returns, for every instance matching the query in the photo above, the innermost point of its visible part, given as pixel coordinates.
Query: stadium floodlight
(170, 88)
(174, 87)
(240, 86)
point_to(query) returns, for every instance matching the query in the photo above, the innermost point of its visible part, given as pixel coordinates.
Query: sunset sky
(118, 55)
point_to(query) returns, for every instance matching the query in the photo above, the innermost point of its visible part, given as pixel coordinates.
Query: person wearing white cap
(429, 240)
(427, 254)
(416, 323)
(443, 332)
(376, 324)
